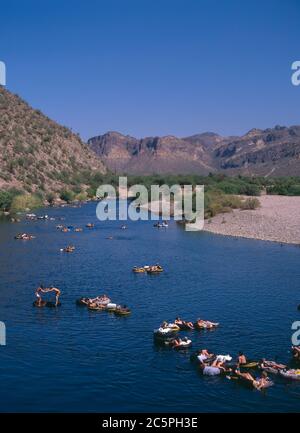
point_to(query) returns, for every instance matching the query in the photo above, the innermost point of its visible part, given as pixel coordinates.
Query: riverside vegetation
(44, 163)
(222, 193)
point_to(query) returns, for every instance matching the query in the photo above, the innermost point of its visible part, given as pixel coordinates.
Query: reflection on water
(72, 359)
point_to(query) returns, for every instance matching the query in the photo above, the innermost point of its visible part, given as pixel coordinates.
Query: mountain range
(273, 151)
(38, 154)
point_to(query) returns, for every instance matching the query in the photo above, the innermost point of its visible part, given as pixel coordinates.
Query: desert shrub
(216, 202)
(231, 201)
(50, 197)
(24, 161)
(6, 198)
(91, 192)
(63, 176)
(250, 203)
(22, 202)
(5, 176)
(67, 195)
(76, 189)
(294, 190)
(82, 196)
(19, 147)
(284, 186)
(216, 208)
(27, 187)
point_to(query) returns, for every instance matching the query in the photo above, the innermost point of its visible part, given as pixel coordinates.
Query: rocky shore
(277, 220)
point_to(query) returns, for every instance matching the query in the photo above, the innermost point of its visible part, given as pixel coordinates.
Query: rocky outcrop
(152, 154)
(273, 150)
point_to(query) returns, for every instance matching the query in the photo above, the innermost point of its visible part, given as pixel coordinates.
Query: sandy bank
(278, 219)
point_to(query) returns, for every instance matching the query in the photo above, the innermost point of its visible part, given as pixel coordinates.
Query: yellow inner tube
(96, 307)
(122, 313)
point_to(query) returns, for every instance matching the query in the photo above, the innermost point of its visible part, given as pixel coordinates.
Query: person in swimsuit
(164, 325)
(57, 295)
(241, 359)
(176, 342)
(296, 352)
(38, 294)
(260, 383)
(271, 364)
(56, 291)
(203, 355)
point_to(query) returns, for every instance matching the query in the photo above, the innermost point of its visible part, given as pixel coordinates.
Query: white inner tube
(164, 330)
(185, 343)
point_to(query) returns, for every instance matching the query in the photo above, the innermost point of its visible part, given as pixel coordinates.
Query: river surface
(72, 359)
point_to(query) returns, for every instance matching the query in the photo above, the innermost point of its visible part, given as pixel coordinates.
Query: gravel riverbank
(278, 220)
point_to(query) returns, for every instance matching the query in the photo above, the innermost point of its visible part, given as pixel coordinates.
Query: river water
(73, 359)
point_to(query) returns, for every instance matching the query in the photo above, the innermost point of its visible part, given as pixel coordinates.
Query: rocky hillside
(37, 154)
(273, 151)
(152, 154)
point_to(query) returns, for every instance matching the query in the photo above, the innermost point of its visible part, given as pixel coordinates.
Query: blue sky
(154, 67)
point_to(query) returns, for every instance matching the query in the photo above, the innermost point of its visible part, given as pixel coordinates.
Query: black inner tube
(81, 302)
(51, 304)
(39, 304)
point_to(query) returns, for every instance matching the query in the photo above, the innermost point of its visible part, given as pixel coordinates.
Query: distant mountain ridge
(273, 151)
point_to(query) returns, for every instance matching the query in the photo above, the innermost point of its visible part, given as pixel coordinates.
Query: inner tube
(290, 374)
(154, 269)
(103, 301)
(213, 326)
(207, 361)
(39, 304)
(163, 333)
(81, 302)
(163, 341)
(272, 367)
(174, 326)
(139, 270)
(52, 304)
(250, 364)
(212, 371)
(98, 307)
(249, 384)
(183, 345)
(184, 327)
(271, 370)
(122, 312)
(111, 307)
